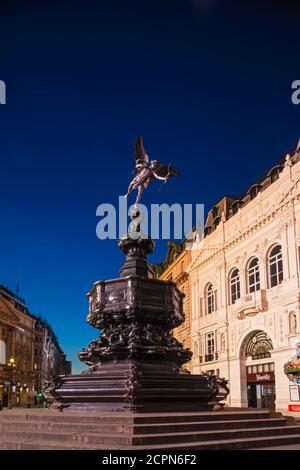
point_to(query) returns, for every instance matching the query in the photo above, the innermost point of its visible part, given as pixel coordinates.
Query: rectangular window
(210, 343)
(254, 284)
(235, 286)
(280, 271)
(275, 266)
(253, 277)
(276, 274)
(210, 302)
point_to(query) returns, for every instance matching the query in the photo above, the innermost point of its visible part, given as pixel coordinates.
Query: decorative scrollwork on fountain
(133, 387)
(49, 388)
(137, 341)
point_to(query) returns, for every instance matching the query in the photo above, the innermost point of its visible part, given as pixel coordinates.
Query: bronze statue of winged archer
(146, 171)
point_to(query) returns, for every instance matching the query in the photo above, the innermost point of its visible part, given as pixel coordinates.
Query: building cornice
(284, 203)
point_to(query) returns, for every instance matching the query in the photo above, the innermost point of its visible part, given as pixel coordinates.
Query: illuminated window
(275, 266)
(210, 299)
(2, 352)
(210, 342)
(253, 276)
(235, 287)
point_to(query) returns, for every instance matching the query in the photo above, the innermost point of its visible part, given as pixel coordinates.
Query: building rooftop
(229, 205)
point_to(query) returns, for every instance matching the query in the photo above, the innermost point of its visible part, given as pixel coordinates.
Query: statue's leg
(139, 195)
(130, 187)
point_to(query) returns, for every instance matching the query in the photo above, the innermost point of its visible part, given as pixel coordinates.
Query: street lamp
(12, 365)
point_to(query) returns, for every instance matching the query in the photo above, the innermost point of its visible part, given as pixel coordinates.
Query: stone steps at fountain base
(137, 429)
(226, 429)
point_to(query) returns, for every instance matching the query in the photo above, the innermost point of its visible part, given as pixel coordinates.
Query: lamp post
(12, 365)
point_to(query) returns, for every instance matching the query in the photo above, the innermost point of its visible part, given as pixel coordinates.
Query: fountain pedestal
(136, 364)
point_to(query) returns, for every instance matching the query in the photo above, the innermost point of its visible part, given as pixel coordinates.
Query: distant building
(31, 343)
(56, 363)
(16, 341)
(50, 360)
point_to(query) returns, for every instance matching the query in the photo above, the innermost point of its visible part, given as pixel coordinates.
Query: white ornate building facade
(245, 281)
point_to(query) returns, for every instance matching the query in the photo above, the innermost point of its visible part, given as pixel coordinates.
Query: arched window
(253, 191)
(196, 350)
(216, 221)
(235, 286)
(275, 266)
(274, 173)
(207, 230)
(215, 211)
(253, 276)
(235, 206)
(2, 352)
(259, 346)
(210, 299)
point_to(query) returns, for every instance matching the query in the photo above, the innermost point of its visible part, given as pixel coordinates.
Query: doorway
(258, 384)
(261, 395)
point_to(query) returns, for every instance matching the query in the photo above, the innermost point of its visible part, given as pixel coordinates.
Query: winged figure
(146, 171)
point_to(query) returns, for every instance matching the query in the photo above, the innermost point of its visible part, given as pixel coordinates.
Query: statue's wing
(139, 151)
(164, 171)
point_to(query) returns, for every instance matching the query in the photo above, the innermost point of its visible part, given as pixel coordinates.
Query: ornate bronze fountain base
(136, 363)
(139, 387)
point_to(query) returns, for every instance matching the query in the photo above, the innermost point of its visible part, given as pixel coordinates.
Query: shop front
(261, 386)
(19, 394)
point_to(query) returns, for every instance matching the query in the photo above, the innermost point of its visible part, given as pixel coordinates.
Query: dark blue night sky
(208, 85)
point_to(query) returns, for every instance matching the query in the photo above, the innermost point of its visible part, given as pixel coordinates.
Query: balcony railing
(208, 357)
(211, 357)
